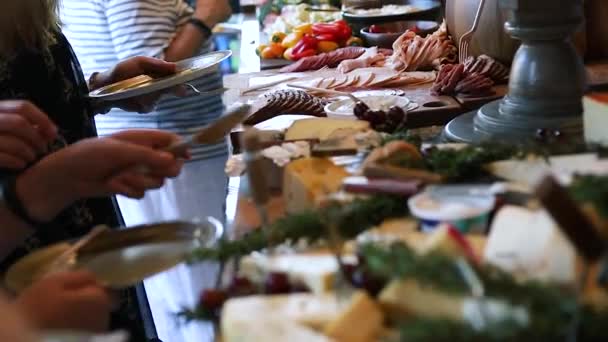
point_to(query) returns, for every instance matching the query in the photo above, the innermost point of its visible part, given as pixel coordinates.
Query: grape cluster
(388, 122)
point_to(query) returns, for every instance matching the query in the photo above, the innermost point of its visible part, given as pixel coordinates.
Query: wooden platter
(471, 103)
(433, 110)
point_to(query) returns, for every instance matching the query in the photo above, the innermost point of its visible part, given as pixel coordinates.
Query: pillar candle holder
(547, 79)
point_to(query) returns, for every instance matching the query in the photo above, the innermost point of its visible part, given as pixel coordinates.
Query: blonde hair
(27, 25)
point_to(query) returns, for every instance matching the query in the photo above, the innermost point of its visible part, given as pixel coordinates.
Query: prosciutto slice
(329, 59)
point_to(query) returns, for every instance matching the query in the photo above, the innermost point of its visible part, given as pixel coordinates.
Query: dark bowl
(427, 10)
(394, 30)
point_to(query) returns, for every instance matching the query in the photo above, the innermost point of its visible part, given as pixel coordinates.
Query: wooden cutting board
(470, 103)
(275, 63)
(432, 110)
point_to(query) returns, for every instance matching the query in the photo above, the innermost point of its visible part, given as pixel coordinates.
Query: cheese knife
(215, 131)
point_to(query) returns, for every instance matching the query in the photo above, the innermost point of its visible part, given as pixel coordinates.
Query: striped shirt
(104, 32)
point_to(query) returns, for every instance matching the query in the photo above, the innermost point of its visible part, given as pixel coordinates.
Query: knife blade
(215, 131)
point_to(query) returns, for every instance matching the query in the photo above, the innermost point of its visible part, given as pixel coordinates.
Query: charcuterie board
(432, 110)
(470, 103)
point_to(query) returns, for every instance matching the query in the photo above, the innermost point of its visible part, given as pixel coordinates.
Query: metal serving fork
(465, 40)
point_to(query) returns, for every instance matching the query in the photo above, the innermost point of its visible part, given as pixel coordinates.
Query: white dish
(188, 70)
(343, 109)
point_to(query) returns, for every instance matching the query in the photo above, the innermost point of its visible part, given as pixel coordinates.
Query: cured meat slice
(330, 59)
(286, 101)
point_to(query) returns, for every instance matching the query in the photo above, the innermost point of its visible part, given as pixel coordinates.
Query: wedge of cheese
(295, 317)
(595, 117)
(405, 299)
(361, 321)
(408, 298)
(301, 317)
(323, 128)
(307, 181)
(528, 243)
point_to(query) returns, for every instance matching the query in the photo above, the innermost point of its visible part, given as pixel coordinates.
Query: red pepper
(307, 42)
(305, 53)
(326, 37)
(329, 28)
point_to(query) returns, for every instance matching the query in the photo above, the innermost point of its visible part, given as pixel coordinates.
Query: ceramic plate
(338, 110)
(122, 258)
(188, 70)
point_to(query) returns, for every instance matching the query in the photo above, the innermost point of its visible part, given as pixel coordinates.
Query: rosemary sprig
(351, 219)
(551, 308)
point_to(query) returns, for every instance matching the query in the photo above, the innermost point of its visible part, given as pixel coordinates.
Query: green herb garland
(351, 219)
(551, 308)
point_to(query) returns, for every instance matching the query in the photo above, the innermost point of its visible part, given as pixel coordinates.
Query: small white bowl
(337, 109)
(468, 214)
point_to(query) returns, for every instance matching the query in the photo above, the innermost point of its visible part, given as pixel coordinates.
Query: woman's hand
(25, 133)
(129, 68)
(67, 301)
(128, 163)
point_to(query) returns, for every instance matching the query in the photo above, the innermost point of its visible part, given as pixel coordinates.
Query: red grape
(212, 299)
(241, 286)
(277, 283)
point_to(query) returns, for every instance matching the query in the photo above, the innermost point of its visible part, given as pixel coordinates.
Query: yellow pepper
(327, 46)
(277, 37)
(288, 55)
(260, 48)
(292, 39)
(354, 41)
(304, 29)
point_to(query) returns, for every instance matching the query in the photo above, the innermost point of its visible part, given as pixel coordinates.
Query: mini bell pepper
(307, 42)
(304, 29)
(327, 46)
(292, 39)
(277, 37)
(354, 41)
(288, 54)
(305, 53)
(328, 37)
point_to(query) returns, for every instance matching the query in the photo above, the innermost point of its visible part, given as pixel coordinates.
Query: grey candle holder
(547, 78)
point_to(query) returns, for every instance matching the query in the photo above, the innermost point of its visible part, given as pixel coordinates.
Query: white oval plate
(332, 108)
(188, 70)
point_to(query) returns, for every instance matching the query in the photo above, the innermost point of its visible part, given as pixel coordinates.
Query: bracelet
(199, 24)
(14, 204)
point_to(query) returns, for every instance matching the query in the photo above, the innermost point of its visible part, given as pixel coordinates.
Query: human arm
(91, 168)
(159, 28)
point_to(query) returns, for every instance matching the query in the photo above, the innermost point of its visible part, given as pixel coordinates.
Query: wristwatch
(201, 26)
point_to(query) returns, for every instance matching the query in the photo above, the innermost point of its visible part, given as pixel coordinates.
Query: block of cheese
(315, 270)
(301, 317)
(361, 321)
(306, 181)
(409, 298)
(323, 128)
(529, 244)
(278, 318)
(595, 117)
(406, 299)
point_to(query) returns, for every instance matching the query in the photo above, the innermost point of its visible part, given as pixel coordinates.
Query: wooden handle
(382, 186)
(255, 167)
(393, 172)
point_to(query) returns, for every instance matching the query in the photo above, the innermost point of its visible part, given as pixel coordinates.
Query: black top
(53, 81)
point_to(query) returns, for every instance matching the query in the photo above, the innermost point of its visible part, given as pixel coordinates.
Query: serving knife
(215, 131)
